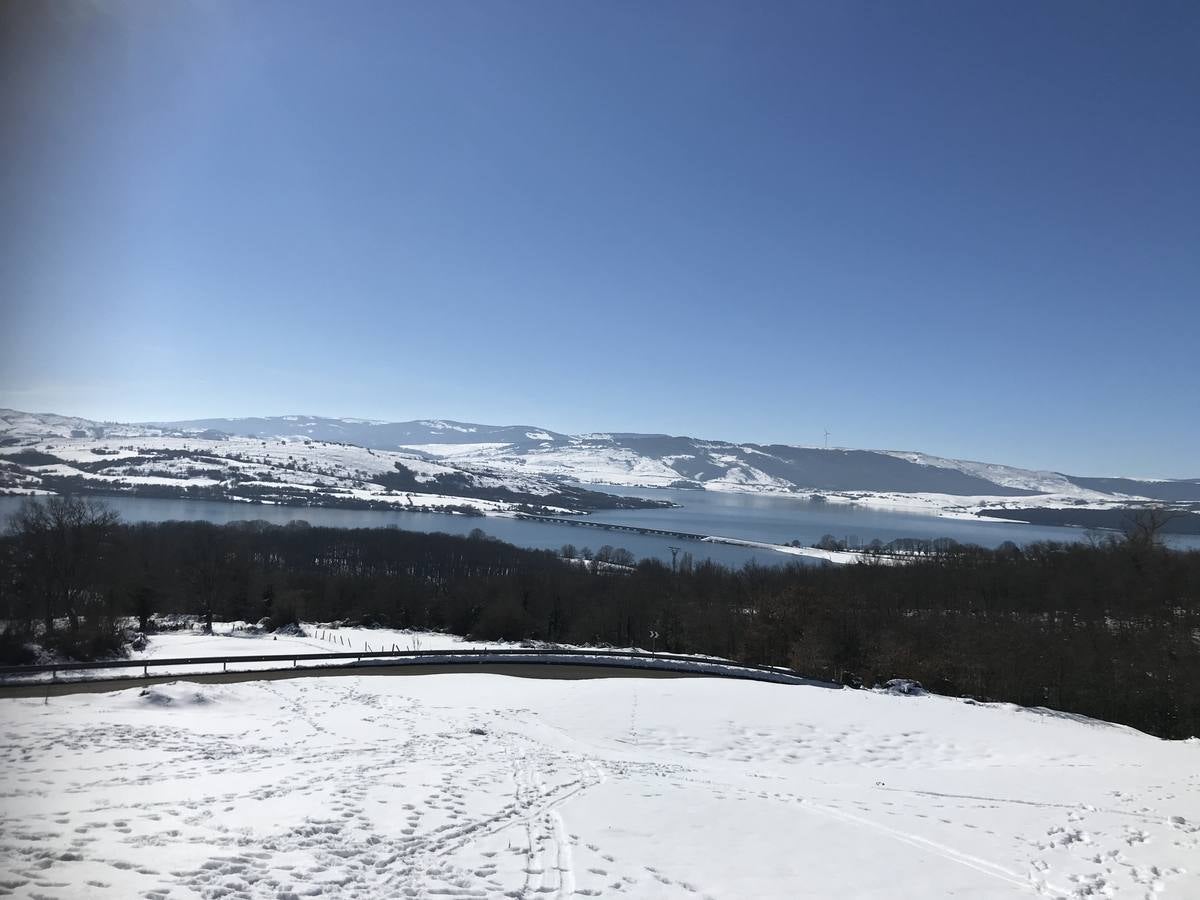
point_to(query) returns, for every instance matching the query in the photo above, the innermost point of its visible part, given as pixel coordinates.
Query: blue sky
(966, 228)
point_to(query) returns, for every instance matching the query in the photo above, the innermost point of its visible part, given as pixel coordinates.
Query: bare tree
(204, 568)
(1143, 527)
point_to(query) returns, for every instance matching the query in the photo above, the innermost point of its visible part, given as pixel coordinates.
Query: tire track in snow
(1148, 817)
(549, 867)
(564, 861)
(986, 867)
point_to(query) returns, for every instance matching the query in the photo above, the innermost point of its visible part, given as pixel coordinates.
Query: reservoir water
(749, 517)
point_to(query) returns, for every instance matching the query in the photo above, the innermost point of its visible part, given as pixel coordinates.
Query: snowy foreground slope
(476, 785)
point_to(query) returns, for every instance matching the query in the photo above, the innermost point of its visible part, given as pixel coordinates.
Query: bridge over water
(582, 522)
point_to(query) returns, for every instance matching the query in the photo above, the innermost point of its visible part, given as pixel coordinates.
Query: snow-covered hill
(886, 478)
(57, 455)
(531, 460)
(22, 426)
(490, 786)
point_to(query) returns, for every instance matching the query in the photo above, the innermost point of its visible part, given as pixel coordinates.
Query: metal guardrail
(352, 659)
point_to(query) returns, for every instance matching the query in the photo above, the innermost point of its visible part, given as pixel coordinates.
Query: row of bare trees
(60, 548)
(1106, 629)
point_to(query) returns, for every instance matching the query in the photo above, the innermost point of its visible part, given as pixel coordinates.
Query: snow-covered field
(465, 785)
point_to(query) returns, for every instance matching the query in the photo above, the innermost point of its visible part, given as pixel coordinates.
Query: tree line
(1106, 629)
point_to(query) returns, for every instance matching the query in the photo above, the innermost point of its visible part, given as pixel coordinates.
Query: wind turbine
(826, 438)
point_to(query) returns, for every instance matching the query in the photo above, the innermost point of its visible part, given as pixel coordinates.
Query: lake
(772, 519)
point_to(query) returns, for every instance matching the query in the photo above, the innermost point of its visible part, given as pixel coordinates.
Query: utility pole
(674, 553)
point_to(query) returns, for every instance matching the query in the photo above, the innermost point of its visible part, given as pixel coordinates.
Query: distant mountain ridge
(635, 459)
(370, 433)
(652, 460)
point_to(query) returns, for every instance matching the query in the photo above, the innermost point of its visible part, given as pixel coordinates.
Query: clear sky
(962, 227)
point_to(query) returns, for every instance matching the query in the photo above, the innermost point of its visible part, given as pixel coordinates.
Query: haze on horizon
(964, 230)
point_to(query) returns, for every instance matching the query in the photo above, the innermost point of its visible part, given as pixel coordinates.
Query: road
(517, 670)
